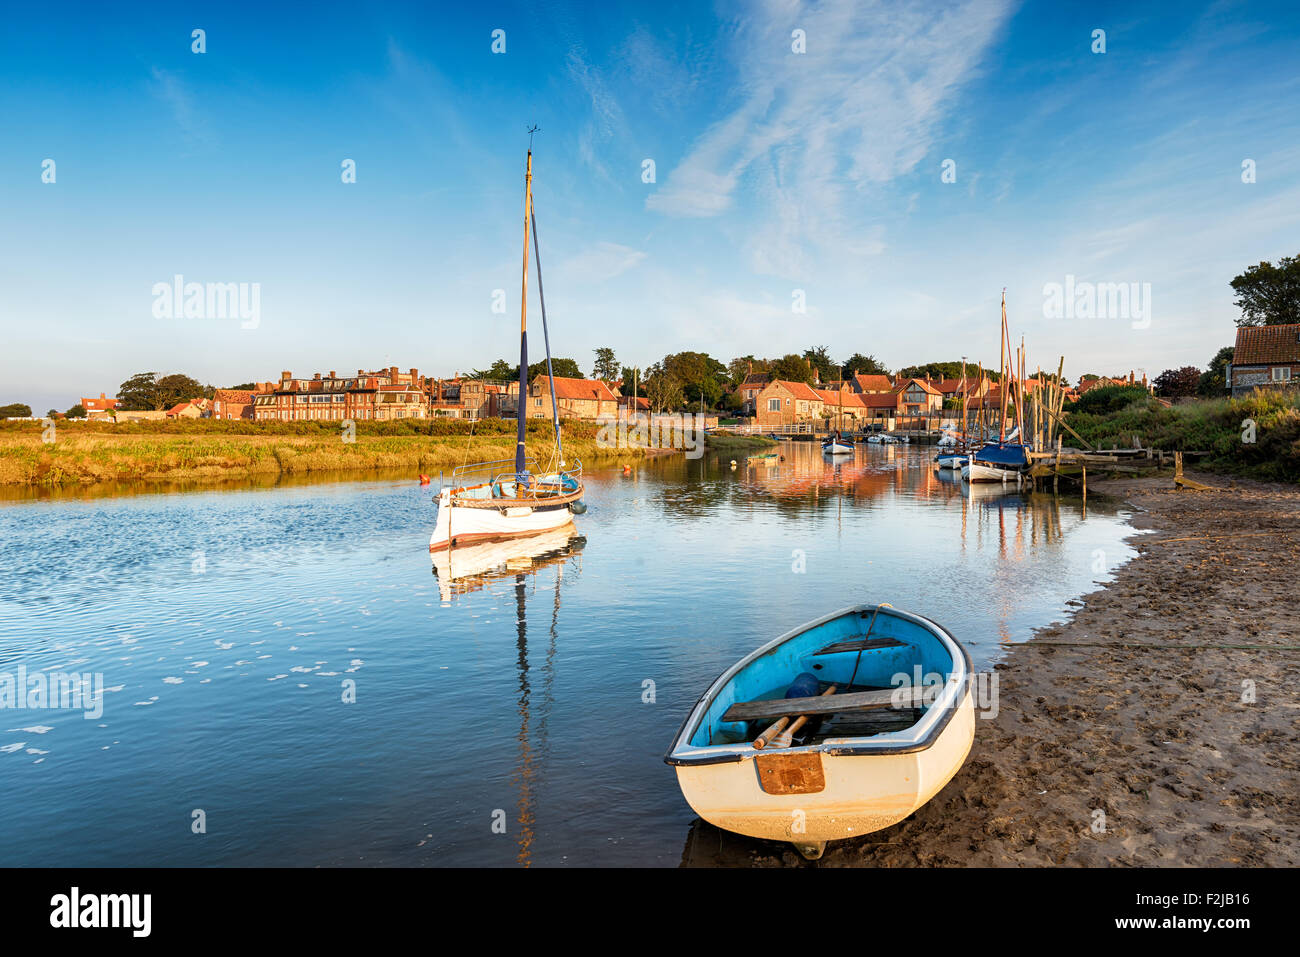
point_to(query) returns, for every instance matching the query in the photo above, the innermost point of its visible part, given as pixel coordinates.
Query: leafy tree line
(1268, 294)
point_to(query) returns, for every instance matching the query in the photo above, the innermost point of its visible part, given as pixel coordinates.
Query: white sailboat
(488, 501)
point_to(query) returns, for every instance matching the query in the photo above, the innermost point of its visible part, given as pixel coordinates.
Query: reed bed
(1220, 427)
(204, 450)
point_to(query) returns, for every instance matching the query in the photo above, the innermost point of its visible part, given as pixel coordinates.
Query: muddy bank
(1164, 742)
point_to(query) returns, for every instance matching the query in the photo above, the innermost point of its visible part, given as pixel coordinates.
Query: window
(537, 403)
(1281, 373)
(774, 405)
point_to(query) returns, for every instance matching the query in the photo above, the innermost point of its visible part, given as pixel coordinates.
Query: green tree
(792, 368)
(632, 376)
(858, 364)
(821, 360)
(698, 374)
(662, 388)
(177, 387)
(78, 411)
(606, 368)
(15, 410)
(243, 387)
(139, 393)
(1177, 383)
(501, 369)
(738, 369)
(1269, 295)
(1214, 381)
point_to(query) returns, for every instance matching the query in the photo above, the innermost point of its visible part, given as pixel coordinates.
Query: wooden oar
(778, 735)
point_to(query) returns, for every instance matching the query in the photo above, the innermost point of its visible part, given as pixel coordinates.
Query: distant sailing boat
(837, 444)
(486, 501)
(1001, 461)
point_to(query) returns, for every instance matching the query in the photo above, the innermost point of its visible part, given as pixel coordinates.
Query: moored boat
(977, 472)
(892, 720)
(837, 445)
(951, 460)
(487, 501)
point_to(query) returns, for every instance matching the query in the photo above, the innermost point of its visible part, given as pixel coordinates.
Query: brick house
(100, 408)
(782, 402)
(1266, 357)
(754, 383)
(191, 409)
(918, 397)
(232, 404)
(971, 386)
(577, 398)
(843, 405)
(384, 395)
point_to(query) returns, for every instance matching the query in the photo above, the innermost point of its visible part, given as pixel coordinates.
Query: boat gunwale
(947, 704)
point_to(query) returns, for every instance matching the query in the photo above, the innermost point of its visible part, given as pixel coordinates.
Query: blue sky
(775, 172)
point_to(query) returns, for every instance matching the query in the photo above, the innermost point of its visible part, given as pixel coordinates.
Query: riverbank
(1159, 740)
(727, 442)
(216, 452)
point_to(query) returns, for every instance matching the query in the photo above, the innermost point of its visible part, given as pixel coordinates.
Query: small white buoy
(733, 463)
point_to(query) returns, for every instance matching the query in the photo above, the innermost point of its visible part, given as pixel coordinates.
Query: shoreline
(1155, 744)
(1157, 739)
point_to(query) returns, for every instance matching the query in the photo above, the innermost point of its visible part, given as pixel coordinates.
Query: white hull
(837, 448)
(952, 461)
(839, 787)
(863, 793)
(461, 525)
(974, 472)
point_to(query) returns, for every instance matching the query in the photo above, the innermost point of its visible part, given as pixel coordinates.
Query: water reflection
(224, 624)
(465, 570)
(460, 571)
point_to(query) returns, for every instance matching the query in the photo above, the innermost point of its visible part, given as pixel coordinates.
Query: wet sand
(1159, 740)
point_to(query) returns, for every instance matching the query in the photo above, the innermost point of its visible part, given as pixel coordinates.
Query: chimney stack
(333, 374)
(286, 374)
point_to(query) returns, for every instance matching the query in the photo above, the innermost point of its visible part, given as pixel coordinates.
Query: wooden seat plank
(860, 644)
(830, 704)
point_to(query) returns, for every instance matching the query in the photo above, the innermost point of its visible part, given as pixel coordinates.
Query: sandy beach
(1107, 754)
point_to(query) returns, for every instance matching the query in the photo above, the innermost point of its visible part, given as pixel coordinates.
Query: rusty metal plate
(790, 773)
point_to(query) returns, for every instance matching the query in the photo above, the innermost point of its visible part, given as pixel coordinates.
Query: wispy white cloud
(169, 88)
(598, 262)
(815, 135)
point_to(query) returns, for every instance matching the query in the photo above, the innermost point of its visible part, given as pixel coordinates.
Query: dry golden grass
(85, 455)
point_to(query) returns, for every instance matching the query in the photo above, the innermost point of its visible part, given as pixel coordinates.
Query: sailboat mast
(522, 408)
(1002, 370)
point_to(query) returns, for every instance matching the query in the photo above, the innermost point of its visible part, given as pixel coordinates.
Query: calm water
(225, 624)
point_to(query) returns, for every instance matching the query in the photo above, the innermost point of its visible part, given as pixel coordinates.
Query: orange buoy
(424, 479)
(627, 470)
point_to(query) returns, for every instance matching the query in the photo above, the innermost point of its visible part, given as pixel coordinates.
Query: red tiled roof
(800, 390)
(879, 400)
(233, 396)
(1263, 345)
(925, 386)
(591, 389)
(756, 381)
(873, 383)
(98, 405)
